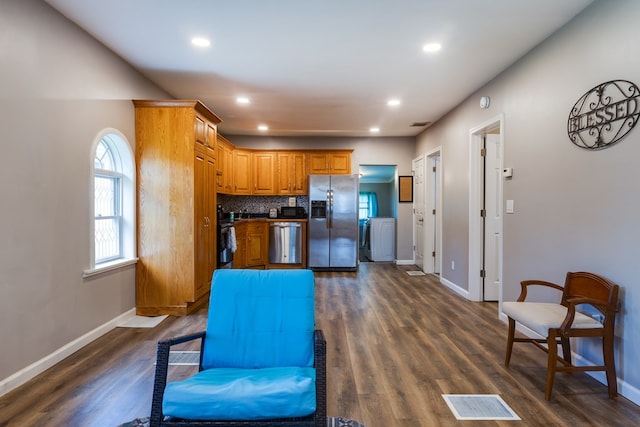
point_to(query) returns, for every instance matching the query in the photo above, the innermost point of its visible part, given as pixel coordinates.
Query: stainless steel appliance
(285, 242)
(291, 212)
(333, 222)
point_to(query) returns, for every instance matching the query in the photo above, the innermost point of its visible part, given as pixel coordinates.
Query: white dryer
(381, 245)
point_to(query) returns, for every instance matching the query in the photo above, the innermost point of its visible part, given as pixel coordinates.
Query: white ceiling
(321, 68)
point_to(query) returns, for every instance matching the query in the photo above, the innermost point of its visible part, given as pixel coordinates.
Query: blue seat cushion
(260, 319)
(242, 394)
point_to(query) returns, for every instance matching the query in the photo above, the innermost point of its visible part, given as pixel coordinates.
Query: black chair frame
(317, 419)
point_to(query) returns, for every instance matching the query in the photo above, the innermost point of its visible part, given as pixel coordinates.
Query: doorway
(377, 199)
(427, 211)
(486, 153)
(419, 208)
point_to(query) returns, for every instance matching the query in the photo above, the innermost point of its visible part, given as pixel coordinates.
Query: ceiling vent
(420, 124)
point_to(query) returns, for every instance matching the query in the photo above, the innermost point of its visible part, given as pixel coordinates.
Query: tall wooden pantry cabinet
(176, 180)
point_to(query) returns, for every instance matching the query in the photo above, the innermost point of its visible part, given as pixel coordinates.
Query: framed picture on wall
(405, 189)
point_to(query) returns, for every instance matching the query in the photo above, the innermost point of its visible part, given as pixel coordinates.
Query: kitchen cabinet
(224, 182)
(257, 244)
(291, 177)
(206, 135)
(243, 171)
(264, 172)
(242, 177)
(176, 212)
(240, 256)
(252, 244)
(330, 162)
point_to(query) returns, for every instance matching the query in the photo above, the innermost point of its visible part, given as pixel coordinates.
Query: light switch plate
(509, 206)
(292, 201)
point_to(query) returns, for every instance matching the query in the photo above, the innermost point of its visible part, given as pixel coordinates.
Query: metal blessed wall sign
(604, 115)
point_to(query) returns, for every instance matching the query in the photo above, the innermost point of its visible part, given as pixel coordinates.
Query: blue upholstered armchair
(262, 363)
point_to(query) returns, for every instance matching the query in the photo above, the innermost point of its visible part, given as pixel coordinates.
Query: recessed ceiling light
(200, 42)
(393, 102)
(263, 128)
(242, 100)
(374, 129)
(431, 47)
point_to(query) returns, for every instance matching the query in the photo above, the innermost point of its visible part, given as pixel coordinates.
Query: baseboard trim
(36, 368)
(455, 288)
(405, 262)
(624, 389)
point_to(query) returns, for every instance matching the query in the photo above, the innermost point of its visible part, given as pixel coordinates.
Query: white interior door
(433, 212)
(493, 218)
(418, 211)
(436, 211)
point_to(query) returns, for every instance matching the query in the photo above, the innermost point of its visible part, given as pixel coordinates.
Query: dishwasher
(285, 242)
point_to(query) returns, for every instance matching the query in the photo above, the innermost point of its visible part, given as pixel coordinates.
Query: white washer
(382, 239)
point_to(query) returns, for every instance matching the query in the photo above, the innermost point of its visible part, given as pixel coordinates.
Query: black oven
(225, 254)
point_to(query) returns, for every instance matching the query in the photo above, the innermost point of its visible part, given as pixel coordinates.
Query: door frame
(433, 233)
(476, 196)
(416, 198)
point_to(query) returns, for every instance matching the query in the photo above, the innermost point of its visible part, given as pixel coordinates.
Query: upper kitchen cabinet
(264, 172)
(176, 181)
(336, 162)
(206, 135)
(291, 177)
(224, 182)
(242, 177)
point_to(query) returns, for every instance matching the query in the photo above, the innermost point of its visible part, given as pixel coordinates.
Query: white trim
(36, 368)
(475, 203)
(128, 188)
(108, 266)
(405, 262)
(429, 205)
(455, 288)
(416, 198)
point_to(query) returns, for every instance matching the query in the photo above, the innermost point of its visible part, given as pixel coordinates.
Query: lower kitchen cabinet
(252, 244)
(252, 239)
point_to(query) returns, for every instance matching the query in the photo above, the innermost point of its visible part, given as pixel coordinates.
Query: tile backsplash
(258, 204)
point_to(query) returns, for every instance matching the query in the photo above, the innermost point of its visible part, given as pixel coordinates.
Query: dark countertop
(226, 221)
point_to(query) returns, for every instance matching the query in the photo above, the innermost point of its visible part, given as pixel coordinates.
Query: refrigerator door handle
(329, 208)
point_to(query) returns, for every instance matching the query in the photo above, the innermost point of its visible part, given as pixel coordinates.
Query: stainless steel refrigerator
(333, 222)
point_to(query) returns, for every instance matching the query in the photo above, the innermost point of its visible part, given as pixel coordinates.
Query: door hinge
(433, 212)
(433, 254)
(483, 152)
(433, 169)
(482, 273)
(483, 213)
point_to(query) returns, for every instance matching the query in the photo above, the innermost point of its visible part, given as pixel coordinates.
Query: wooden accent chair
(560, 322)
(262, 362)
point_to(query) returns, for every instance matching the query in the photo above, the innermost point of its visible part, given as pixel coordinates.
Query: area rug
(331, 422)
(479, 407)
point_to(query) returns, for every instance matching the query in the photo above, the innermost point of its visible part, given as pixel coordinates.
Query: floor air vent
(479, 407)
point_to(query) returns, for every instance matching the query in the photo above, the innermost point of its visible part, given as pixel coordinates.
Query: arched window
(113, 203)
(108, 205)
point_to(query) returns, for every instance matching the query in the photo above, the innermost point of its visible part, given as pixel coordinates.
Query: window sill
(109, 266)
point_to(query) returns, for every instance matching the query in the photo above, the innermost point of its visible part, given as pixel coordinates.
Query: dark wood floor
(395, 343)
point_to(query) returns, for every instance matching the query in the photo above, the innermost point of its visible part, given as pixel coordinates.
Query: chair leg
(552, 362)
(566, 350)
(609, 364)
(510, 335)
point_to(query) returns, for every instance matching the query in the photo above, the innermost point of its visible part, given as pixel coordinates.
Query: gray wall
(574, 209)
(397, 151)
(59, 88)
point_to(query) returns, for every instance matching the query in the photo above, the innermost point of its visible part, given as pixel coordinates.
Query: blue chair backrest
(259, 319)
